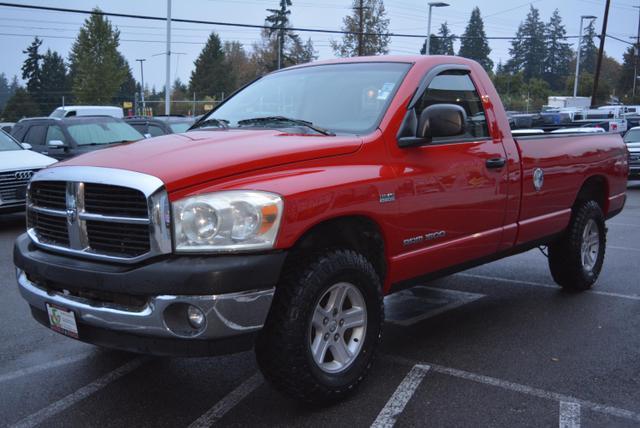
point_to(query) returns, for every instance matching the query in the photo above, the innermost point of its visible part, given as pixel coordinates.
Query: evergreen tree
(4, 90)
(529, 49)
(96, 68)
(301, 53)
(474, 43)
(442, 44)
(31, 67)
(279, 20)
(14, 85)
(375, 26)
(20, 105)
(211, 75)
(589, 51)
(559, 53)
(627, 70)
(53, 81)
(127, 90)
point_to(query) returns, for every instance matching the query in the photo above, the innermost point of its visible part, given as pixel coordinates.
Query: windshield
(633, 136)
(7, 143)
(180, 127)
(103, 133)
(347, 98)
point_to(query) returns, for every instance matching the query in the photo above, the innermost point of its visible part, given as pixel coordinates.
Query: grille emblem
(23, 175)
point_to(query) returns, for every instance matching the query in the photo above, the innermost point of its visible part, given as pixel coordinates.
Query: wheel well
(595, 189)
(358, 233)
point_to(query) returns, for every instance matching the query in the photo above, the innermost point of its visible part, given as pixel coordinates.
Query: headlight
(227, 221)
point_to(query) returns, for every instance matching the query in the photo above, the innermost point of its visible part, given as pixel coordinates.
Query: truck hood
(14, 160)
(183, 160)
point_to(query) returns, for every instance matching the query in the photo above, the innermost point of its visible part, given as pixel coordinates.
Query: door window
(155, 130)
(454, 87)
(35, 135)
(55, 133)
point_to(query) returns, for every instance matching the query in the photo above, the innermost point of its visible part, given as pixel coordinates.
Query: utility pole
(427, 46)
(636, 52)
(144, 106)
(575, 82)
(167, 85)
(600, 53)
(361, 8)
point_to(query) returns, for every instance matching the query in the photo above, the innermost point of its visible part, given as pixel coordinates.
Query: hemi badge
(387, 197)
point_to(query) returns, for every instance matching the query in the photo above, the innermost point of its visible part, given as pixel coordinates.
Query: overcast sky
(144, 39)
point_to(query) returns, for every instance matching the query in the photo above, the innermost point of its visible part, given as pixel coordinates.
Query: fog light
(196, 316)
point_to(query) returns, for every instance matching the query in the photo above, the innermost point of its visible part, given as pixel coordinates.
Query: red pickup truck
(286, 214)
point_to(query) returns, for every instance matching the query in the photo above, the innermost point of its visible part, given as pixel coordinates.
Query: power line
(230, 24)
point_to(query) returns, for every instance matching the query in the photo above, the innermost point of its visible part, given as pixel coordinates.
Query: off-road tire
(565, 254)
(282, 347)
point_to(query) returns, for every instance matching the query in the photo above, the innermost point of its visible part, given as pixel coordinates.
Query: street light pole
(427, 50)
(636, 52)
(144, 106)
(167, 85)
(575, 82)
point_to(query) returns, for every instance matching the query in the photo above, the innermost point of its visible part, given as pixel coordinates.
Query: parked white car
(17, 166)
(70, 111)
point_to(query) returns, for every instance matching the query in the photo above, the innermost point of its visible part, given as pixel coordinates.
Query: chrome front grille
(13, 186)
(125, 221)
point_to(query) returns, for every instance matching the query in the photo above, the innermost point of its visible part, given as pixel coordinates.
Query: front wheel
(576, 258)
(324, 326)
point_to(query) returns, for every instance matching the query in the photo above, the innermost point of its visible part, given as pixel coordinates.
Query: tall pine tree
(474, 44)
(375, 29)
(628, 69)
(442, 44)
(53, 81)
(211, 74)
(31, 67)
(96, 68)
(4, 90)
(559, 53)
(589, 51)
(529, 48)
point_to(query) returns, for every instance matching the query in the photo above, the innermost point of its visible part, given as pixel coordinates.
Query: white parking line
(623, 224)
(539, 284)
(396, 404)
(79, 395)
(623, 248)
(523, 389)
(569, 415)
(40, 367)
(228, 402)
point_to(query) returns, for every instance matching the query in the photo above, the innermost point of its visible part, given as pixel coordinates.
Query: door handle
(496, 163)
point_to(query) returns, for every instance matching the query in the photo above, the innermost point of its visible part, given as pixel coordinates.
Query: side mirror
(438, 120)
(56, 144)
(26, 146)
(441, 120)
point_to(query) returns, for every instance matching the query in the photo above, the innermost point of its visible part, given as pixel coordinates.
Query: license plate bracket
(62, 320)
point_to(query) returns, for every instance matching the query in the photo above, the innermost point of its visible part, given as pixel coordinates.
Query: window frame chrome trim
(158, 210)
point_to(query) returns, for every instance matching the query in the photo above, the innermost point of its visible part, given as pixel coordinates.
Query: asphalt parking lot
(498, 345)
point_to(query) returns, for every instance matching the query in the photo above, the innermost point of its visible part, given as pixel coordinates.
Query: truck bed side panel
(566, 162)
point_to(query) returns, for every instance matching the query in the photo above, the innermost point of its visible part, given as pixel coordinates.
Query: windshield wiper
(283, 119)
(219, 123)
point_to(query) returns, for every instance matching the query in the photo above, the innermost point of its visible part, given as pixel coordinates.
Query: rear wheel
(576, 258)
(324, 326)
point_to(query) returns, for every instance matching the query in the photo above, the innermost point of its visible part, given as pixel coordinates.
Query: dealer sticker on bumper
(62, 320)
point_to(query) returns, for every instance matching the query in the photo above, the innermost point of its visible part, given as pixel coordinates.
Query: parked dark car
(160, 125)
(69, 137)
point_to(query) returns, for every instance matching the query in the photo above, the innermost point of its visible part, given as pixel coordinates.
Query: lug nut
(341, 323)
(336, 337)
(326, 336)
(325, 321)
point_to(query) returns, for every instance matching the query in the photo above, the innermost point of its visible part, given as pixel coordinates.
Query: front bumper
(153, 323)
